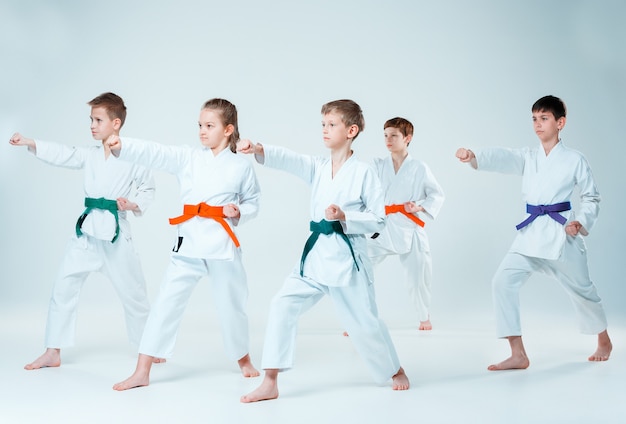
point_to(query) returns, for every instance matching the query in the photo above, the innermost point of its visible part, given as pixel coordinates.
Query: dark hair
(550, 104)
(401, 124)
(228, 113)
(351, 113)
(113, 104)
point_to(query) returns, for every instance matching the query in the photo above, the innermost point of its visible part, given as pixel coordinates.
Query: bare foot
(138, 379)
(400, 380)
(268, 389)
(425, 325)
(247, 369)
(50, 358)
(141, 376)
(345, 334)
(517, 362)
(158, 360)
(604, 349)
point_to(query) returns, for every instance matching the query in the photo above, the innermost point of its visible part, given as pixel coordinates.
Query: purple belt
(551, 210)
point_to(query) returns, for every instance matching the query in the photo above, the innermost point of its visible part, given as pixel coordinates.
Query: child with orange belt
(219, 189)
(410, 188)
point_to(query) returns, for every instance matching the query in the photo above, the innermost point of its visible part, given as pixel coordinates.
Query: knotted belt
(550, 210)
(400, 209)
(101, 203)
(324, 227)
(205, 211)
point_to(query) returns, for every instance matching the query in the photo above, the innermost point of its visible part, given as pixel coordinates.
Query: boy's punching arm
(302, 166)
(495, 159)
(52, 153)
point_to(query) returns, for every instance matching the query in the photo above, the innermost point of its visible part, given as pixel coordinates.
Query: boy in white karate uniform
(102, 240)
(410, 188)
(346, 203)
(219, 189)
(549, 240)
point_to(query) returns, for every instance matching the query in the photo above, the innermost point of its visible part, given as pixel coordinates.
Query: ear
(353, 131)
(408, 139)
(560, 123)
(117, 124)
(230, 128)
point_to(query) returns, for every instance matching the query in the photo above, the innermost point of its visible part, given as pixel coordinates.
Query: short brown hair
(113, 104)
(228, 113)
(351, 113)
(401, 124)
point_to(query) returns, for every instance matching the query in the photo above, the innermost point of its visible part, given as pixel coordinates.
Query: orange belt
(400, 209)
(205, 211)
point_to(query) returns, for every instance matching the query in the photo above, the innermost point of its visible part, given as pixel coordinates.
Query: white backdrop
(464, 72)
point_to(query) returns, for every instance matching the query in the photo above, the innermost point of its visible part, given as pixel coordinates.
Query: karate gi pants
(230, 295)
(417, 271)
(570, 271)
(120, 263)
(356, 307)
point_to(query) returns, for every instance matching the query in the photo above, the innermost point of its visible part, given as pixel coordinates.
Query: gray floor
(329, 384)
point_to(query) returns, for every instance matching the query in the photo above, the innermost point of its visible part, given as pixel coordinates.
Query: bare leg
(141, 376)
(518, 359)
(267, 390)
(50, 358)
(400, 380)
(425, 325)
(247, 369)
(604, 349)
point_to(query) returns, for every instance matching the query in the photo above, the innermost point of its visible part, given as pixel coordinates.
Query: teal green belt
(101, 203)
(324, 227)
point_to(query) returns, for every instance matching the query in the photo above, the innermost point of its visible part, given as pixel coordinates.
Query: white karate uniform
(93, 251)
(329, 268)
(414, 182)
(543, 246)
(204, 248)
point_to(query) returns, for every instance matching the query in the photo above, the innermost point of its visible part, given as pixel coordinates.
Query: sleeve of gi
(144, 182)
(170, 159)
(501, 159)
(589, 196)
(371, 218)
(434, 194)
(249, 197)
(60, 155)
(302, 166)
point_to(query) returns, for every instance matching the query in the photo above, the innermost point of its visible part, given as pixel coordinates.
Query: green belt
(101, 203)
(324, 227)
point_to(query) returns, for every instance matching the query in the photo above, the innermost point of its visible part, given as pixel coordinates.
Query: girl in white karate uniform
(410, 189)
(102, 241)
(219, 190)
(549, 240)
(346, 203)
